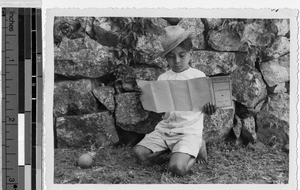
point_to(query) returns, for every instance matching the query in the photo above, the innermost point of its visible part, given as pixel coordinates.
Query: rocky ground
(227, 164)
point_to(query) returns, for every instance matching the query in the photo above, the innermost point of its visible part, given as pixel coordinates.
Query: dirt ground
(227, 164)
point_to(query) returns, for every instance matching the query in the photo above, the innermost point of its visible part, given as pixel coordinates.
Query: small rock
(280, 88)
(281, 46)
(105, 94)
(283, 26)
(85, 161)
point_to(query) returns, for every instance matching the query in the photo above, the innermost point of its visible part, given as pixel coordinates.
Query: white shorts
(158, 141)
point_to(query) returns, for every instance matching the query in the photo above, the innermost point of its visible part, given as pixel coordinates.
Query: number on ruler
(11, 119)
(11, 180)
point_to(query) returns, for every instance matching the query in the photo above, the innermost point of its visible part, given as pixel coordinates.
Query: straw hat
(172, 37)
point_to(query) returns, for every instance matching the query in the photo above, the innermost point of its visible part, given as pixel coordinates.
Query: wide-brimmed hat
(172, 37)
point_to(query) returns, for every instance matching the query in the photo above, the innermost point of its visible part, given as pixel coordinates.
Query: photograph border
(149, 12)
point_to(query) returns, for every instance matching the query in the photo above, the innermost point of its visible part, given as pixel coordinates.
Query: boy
(180, 132)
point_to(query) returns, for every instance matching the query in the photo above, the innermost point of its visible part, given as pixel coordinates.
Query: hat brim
(184, 36)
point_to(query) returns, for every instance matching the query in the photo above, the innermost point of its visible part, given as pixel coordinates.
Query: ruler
(21, 98)
(10, 72)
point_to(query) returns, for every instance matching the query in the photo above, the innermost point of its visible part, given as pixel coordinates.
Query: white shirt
(183, 122)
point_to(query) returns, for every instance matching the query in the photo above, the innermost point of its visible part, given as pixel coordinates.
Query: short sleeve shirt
(183, 122)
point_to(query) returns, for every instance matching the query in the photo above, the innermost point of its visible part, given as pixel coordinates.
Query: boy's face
(178, 59)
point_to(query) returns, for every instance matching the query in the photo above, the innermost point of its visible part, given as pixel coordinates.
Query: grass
(227, 164)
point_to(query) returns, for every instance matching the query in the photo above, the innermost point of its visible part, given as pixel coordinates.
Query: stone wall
(94, 106)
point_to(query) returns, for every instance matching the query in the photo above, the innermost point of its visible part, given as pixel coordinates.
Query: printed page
(222, 91)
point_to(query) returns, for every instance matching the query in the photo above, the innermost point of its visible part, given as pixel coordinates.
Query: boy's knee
(178, 169)
(140, 153)
(137, 151)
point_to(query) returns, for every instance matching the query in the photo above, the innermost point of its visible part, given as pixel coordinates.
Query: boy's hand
(138, 90)
(209, 109)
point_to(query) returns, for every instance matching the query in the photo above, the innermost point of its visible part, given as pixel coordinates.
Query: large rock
(224, 40)
(281, 46)
(86, 130)
(218, 125)
(74, 97)
(105, 95)
(273, 120)
(256, 34)
(248, 86)
(197, 28)
(131, 116)
(82, 57)
(276, 71)
(212, 63)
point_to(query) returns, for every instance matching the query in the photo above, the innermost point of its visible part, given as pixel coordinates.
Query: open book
(186, 95)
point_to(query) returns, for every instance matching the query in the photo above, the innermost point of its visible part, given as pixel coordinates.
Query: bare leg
(202, 155)
(180, 163)
(145, 155)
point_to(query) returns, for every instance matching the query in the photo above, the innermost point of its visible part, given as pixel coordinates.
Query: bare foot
(202, 155)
